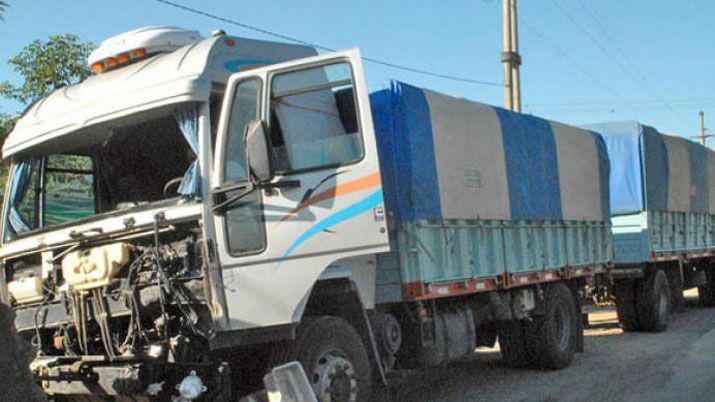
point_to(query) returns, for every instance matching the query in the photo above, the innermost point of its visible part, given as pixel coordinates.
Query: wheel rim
(562, 328)
(334, 379)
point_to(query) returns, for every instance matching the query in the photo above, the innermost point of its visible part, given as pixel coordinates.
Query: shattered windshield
(125, 166)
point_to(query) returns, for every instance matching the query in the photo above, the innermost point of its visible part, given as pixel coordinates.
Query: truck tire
(706, 292)
(334, 359)
(654, 302)
(512, 343)
(553, 334)
(675, 280)
(624, 292)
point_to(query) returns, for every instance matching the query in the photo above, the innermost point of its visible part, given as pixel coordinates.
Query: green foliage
(7, 122)
(3, 7)
(46, 65)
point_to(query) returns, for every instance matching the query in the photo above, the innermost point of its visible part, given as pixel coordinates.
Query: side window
(245, 108)
(69, 189)
(244, 219)
(29, 201)
(314, 121)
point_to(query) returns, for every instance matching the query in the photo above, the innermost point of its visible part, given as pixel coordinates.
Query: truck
(662, 204)
(201, 210)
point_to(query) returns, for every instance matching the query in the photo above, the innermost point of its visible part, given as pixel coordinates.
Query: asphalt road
(678, 364)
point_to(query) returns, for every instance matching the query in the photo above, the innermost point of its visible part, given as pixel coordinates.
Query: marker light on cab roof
(135, 45)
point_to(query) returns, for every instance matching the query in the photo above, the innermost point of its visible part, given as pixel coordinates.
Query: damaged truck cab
(200, 211)
(144, 241)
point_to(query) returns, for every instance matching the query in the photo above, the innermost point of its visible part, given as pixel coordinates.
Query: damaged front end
(105, 259)
(126, 317)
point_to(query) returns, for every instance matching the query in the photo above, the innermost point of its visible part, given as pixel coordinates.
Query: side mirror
(259, 159)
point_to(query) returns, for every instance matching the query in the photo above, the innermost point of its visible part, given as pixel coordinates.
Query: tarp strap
(188, 122)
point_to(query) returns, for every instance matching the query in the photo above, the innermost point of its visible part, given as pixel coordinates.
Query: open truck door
(296, 184)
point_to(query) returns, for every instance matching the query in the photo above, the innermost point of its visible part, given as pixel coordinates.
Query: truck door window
(244, 219)
(245, 108)
(29, 200)
(314, 122)
(69, 189)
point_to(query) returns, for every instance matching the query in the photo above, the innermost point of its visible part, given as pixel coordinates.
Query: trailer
(250, 204)
(492, 215)
(663, 205)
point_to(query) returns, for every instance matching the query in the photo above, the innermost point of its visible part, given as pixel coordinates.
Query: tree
(7, 122)
(46, 65)
(3, 7)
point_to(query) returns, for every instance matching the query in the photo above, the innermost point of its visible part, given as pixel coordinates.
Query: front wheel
(625, 294)
(554, 333)
(654, 302)
(334, 359)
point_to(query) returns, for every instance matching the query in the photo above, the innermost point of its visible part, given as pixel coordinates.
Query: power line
(630, 69)
(644, 102)
(578, 65)
(325, 48)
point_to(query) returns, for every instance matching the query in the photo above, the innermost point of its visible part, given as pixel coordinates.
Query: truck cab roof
(165, 79)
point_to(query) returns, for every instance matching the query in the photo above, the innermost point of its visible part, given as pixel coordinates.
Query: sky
(584, 61)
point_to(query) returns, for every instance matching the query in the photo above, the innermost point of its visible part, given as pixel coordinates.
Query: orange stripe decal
(349, 187)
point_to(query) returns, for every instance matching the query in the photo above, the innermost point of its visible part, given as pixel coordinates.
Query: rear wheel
(706, 292)
(334, 359)
(624, 291)
(654, 302)
(512, 343)
(552, 335)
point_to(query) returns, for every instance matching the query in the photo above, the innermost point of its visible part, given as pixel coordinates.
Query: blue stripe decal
(350, 212)
(531, 166)
(238, 64)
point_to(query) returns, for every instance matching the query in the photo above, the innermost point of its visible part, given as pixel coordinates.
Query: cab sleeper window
(314, 121)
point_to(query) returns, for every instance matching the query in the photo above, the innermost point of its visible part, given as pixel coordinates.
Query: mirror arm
(280, 184)
(221, 204)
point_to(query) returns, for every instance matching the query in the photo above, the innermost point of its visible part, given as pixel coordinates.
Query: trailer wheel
(706, 292)
(675, 280)
(553, 334)
(334, 359)
(654, 302)
(624, 291)
(512, 343)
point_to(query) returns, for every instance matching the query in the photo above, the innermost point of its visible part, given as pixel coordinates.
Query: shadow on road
(615, 366)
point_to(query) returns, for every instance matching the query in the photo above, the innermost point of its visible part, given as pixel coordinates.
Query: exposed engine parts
(95, 267)
(138, 303)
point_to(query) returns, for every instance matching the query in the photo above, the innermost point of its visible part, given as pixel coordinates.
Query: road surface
(676, 365)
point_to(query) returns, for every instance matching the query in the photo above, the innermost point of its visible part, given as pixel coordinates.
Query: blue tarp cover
(651, 171)
(449, 158)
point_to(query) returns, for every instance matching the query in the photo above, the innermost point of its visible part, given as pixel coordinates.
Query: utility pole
(510, 56)
(701, 135)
